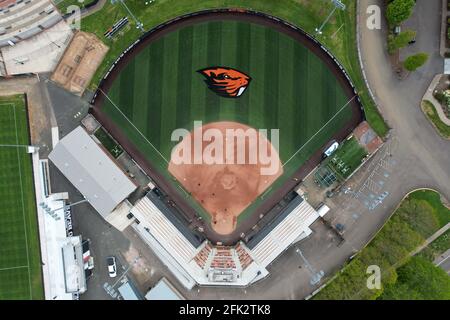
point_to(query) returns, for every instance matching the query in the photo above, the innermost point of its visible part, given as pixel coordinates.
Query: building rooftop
(93, 172)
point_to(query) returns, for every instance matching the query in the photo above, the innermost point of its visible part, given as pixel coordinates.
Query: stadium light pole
(337, 5)
(315, 276)
(47, 209)
(139, 25)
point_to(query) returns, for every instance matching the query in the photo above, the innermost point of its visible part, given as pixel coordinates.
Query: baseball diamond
(296, 87)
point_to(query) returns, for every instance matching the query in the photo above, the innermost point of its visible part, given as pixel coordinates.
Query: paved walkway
(437, 105)
(431, 239)
(443, 261)
(97, 7)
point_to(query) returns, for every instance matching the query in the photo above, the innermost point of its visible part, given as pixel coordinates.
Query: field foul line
(23, 203)
(134, 126)
(340, 110)
(12, 268)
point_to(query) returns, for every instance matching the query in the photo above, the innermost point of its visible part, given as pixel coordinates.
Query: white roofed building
(92, 171)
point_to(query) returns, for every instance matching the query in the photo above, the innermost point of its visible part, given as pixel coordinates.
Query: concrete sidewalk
(437, 105)
(431, 239)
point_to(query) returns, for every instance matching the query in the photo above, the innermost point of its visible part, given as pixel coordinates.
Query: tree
(415, 61)
(400, 41)
(419, 279)
(399, 10)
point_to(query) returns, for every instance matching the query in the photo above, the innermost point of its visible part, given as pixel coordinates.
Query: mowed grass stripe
(257, 71)
(244, 54)
(155, 54)
(214, 45)
(169, 97)
(315, 101)
(329, 85)
(126, 101)
(271, 79)
(300, 98)
(228, 57)
(199, 61)
(141, 86)
(185, 75)
(285, 104)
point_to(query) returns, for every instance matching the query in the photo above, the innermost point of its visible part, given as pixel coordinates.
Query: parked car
(112, 267)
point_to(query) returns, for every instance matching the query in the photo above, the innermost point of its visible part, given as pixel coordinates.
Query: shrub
(400, 41)
(399, 10)
(439, 95)
(415, 61)
(419, 279)
(448, 33)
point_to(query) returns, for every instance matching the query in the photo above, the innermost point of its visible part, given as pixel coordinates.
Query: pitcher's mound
(223, 170)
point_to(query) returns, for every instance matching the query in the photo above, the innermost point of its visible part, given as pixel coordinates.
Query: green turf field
(347, 158)
(20, 269)
(291, 90)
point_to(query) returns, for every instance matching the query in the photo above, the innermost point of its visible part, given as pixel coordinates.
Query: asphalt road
(423, 153)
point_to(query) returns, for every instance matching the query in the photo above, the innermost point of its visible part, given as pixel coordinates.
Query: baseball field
(20, 272)
(291, 89)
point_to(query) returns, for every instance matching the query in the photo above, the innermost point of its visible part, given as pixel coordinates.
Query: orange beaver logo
(226, 82)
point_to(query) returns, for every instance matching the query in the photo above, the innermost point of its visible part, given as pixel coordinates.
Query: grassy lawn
(338, 35)
(441, 212)
(412, 223)
(113, 148)
(20, 268)
(419, 279)
(62, 5)
(430, 111)
(347, 158)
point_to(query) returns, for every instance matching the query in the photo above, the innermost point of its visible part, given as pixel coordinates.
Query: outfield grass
(339, 35)
(291, 90)
(20, 267)
(430, 111)
(416, 219)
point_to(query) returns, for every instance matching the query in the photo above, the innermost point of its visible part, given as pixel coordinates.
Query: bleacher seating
(22, 19)
(163, 230)
(223, 258)
(202, 257)
(244, 257)
(285, 233)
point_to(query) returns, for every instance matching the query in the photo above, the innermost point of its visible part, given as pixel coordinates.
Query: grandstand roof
(91, 171)
(163, 290)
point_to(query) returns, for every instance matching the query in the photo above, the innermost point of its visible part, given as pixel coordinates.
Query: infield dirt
(226, 189)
